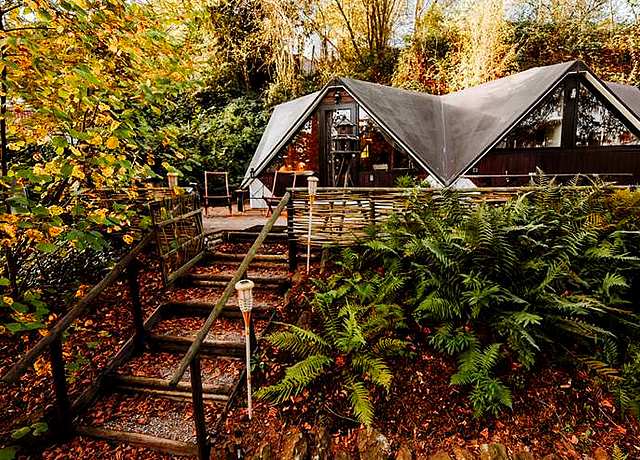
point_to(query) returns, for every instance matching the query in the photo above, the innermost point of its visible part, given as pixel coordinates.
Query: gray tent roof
(629, 95)
(284, 121)
(445, 134)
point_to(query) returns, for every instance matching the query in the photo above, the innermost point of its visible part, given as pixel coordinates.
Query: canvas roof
(445, 134)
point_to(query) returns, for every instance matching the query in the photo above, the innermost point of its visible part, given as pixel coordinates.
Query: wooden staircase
(165, 419)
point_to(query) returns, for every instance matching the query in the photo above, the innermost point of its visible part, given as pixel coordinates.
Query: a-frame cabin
(562, 119)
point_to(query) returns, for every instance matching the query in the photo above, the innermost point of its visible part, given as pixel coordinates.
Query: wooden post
(240, 200)
(134, 292)
(293, 243)
(63, 420)
(198, 409)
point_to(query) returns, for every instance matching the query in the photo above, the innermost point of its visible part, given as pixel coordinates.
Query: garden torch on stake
(312, 184)
(245, 302)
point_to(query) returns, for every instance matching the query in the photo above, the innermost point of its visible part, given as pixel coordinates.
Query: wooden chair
(282, 180)
(216, 188)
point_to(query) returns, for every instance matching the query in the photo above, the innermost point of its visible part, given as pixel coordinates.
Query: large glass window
(541, 128)
(301, 153)
(597, 125)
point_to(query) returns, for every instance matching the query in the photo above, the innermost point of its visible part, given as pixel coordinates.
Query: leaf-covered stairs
(137, 404)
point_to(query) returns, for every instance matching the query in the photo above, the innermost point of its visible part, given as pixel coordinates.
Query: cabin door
(333, 171)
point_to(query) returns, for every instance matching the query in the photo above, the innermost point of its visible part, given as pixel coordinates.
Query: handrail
(54, 333)
(194, 349)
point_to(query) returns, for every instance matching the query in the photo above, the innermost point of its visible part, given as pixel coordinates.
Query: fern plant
(354, 339)
(550, 270)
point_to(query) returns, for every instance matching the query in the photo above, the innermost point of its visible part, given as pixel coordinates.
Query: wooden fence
(179, 234)
(341, 216)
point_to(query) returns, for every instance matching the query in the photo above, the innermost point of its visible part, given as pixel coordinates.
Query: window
(597, 125)
(541, 128)
(301, 153)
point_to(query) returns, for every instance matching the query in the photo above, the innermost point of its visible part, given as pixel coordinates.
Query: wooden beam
(165, 445)
(135, 382)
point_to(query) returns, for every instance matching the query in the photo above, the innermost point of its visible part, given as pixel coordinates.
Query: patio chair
(216, 189)
(282, 180)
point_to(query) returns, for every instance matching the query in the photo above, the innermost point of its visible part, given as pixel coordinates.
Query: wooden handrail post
(198, 409)
(63, 418)
(133, 270)
(293, 242)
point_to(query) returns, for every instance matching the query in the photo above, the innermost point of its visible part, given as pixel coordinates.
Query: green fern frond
(296, 378)
(361, 403)
(298, 341)
(373, 367)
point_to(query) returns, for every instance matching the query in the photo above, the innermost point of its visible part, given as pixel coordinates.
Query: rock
(322, 448)
(296, 446)
(462, 454)
(373, 445)
(440, 455)
(404, 453)
(600, 454)
(524, 455)
(493, 452)
(264, 452)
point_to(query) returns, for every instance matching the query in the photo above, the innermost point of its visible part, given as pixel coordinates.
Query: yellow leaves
(38, 170)
(77, 172)
(82, 290)
(18, 145)
(55, 210)
(112, 143)
(55, 231)
(127, 239)
(8, 229)
(34, 235)
(42, 366)
(8, 301)
(96, 139)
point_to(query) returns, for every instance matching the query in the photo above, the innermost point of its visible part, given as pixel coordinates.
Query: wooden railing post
(134, 292)
(63, 419)
(293, 243)
(198, 409)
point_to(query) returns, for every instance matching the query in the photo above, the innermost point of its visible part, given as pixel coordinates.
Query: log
(136, 382)
(197, 307)
(165, 445)
(215, 348)
(175, 395)
(224, 256)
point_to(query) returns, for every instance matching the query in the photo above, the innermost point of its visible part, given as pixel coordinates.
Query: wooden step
(212, 348)
(203, 308)
(227, 256)
(222, 284)
(224, 277)
(237, 236)
(158, 386)
(162, 444)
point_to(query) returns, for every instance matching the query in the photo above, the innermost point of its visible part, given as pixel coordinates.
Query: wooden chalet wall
(615, 161)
